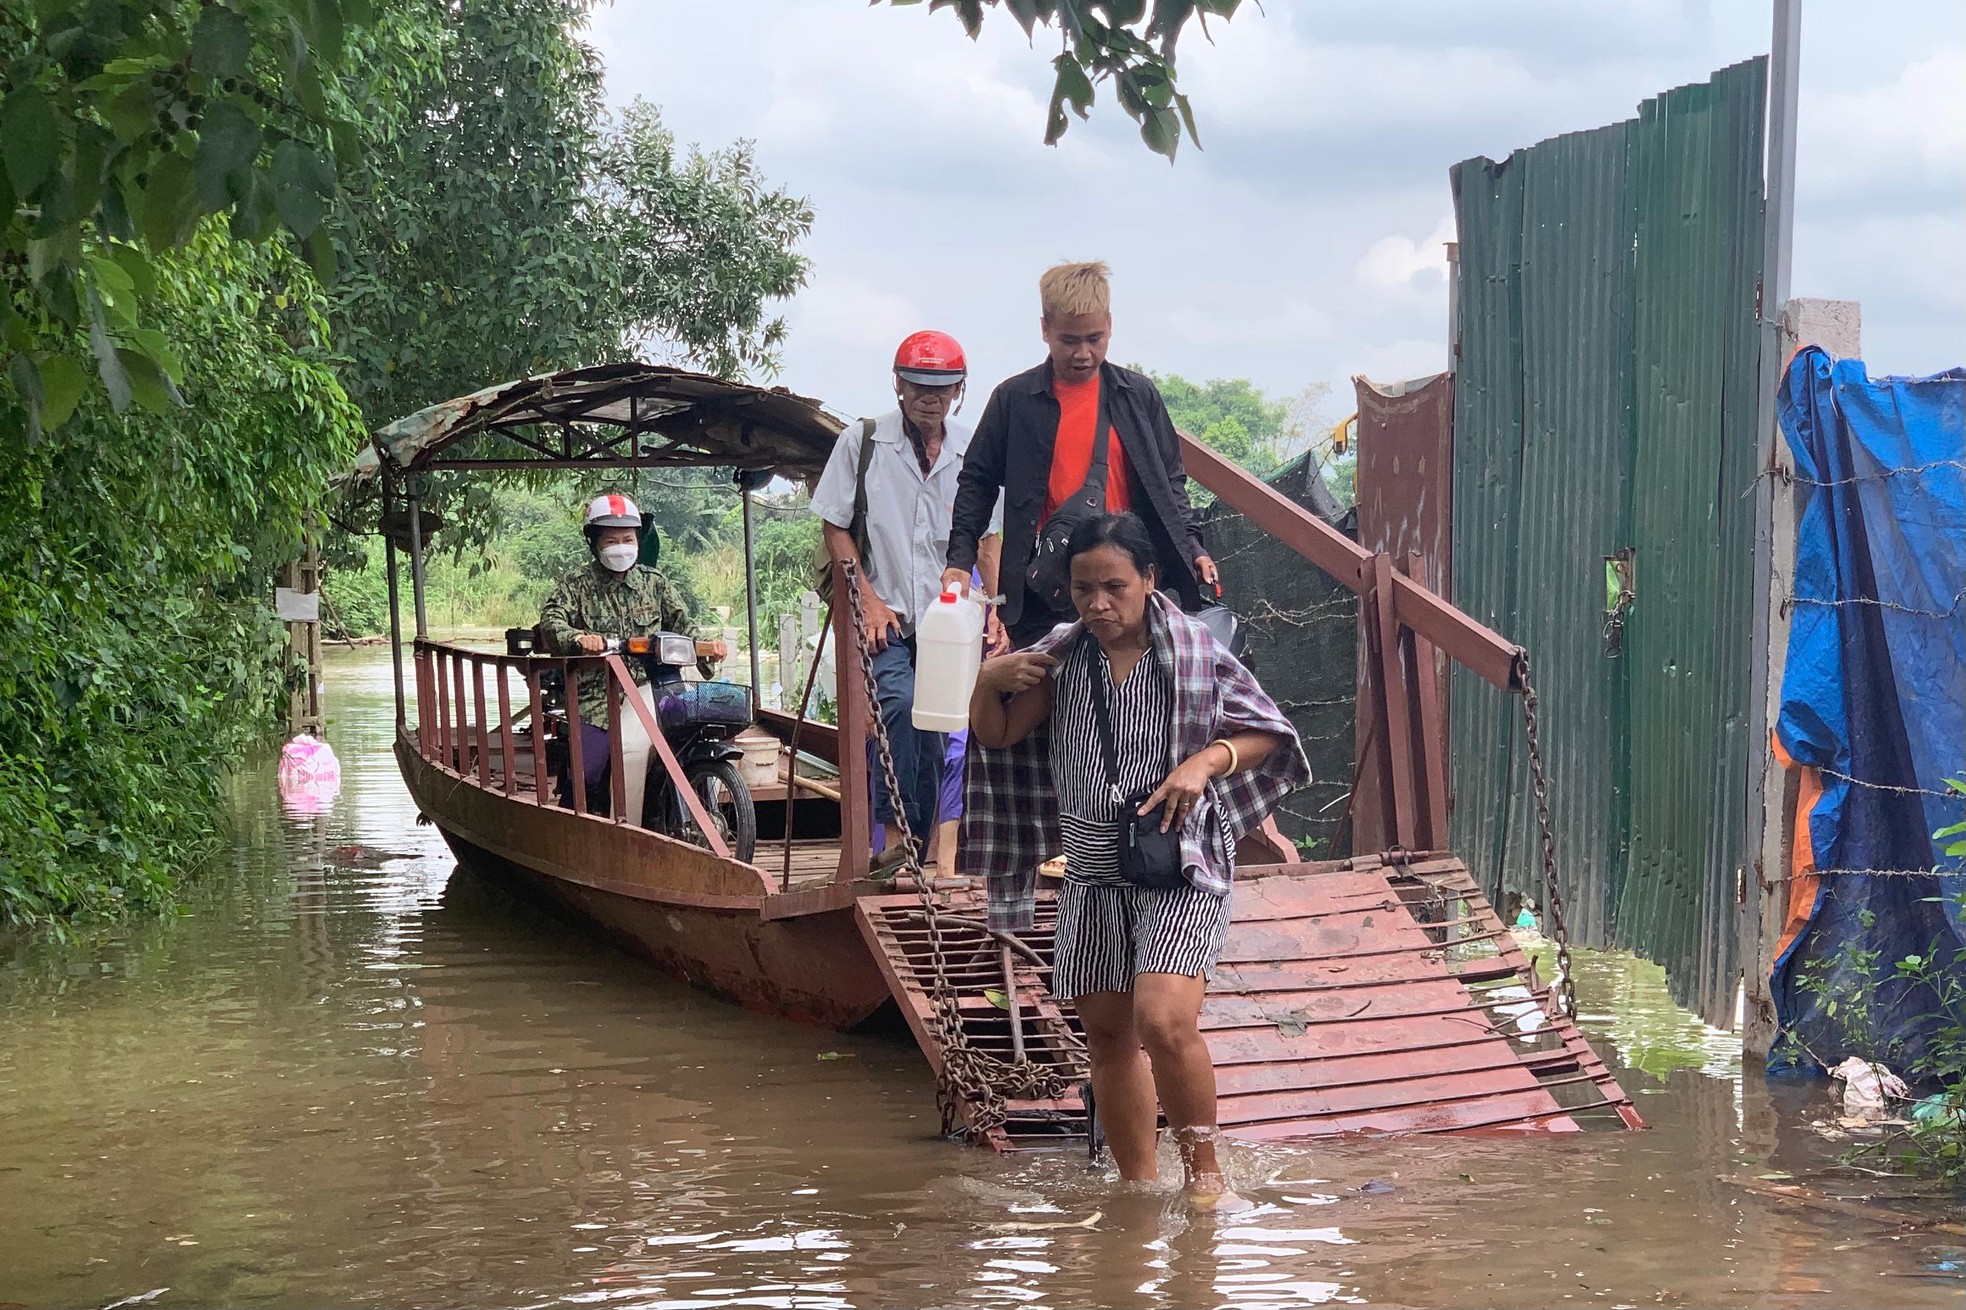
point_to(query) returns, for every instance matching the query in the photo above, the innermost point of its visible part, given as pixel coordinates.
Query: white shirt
(907, 514)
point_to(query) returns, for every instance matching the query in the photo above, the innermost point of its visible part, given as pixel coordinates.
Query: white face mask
(619, 558)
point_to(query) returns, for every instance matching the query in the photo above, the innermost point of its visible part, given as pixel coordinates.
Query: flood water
(349, 1075)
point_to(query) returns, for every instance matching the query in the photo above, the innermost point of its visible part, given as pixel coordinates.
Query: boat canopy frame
(625, 415)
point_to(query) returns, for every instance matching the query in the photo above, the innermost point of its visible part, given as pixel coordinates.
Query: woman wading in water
(1133, 710)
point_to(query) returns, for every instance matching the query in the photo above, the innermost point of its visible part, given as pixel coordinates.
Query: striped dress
(1110, 931)
(1143, 714)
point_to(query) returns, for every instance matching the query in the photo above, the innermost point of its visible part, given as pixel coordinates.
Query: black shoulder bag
(1049, 576)
(822, 558)
(1148, 857)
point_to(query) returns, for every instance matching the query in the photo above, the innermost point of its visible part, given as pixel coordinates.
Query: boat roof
(624, 415)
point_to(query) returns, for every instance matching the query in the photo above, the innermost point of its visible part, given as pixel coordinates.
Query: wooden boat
(803, 932)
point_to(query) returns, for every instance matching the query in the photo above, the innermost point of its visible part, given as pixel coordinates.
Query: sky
(1305, 242)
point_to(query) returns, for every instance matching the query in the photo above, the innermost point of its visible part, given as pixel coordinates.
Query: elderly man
(1071, 439)
(613, 596)
(903, 467)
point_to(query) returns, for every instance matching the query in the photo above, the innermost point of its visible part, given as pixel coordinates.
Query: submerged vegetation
(1861, 1001)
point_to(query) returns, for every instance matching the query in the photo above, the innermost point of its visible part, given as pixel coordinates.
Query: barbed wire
(1891, 787)
(1790, 477)
(1791, 600)
(1866, 873)
(1264, 611)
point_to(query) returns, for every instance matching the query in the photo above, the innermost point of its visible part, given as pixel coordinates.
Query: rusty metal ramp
(1377, 994)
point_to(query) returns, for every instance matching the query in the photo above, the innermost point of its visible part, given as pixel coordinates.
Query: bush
(138, 653)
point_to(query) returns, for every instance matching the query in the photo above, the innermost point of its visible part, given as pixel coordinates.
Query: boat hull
(710, 922)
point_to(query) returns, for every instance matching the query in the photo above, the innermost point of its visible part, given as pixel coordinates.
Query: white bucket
(759, 767)
(948, 652)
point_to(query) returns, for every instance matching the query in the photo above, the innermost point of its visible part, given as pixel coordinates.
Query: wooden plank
(1363, 1025)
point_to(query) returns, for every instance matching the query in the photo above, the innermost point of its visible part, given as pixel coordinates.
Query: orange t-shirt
(1071, 454)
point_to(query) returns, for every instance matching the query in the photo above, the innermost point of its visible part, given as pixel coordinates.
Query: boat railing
(455, 732)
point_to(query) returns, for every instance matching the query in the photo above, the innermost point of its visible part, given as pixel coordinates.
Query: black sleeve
(1177, 477)
(977, 488)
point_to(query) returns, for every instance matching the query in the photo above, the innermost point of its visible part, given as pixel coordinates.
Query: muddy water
(348, 1076)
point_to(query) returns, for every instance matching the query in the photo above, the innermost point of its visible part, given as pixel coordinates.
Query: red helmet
(930, 359)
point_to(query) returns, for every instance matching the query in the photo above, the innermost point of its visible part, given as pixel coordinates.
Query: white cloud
(1901, 139)
(1398, 262)
(1303, 244)
(1396, 361)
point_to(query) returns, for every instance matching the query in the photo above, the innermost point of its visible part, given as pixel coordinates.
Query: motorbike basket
(704, 704)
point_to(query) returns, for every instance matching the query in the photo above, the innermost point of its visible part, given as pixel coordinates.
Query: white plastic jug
(948, 651)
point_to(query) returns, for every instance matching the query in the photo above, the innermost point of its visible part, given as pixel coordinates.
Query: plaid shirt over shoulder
(1010, 821)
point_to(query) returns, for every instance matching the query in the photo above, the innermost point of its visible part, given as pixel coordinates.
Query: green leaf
(221, 43)
(1161, 130)
(255, 217)
(1073, 88)
(62, 385)
(136, 266)
(321, 256)
(109, 365)
(110, 277)
(302, 182)
(29, 138)
(169, 203)
(228, 143)
(997, 997)
(307, 85)
(151, 386)
(1025, 12)
(1169, 18)
(131, 113)
(27, 381)
(1074, 84)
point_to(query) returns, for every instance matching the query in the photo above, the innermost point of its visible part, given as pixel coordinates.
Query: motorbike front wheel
(727, 799)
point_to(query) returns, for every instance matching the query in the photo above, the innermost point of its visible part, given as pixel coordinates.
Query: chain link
(968, 1073)
(1540, 785)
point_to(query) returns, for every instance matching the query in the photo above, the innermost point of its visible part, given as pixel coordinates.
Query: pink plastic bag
(310, 775)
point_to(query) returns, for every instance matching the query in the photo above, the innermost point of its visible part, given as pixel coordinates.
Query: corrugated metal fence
(1605, 401)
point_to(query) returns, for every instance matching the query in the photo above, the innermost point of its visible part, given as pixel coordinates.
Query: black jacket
(1012, 451)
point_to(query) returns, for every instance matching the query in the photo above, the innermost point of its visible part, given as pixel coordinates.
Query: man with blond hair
(1072, 439)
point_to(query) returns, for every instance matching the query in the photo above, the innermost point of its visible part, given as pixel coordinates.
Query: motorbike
(700, 721)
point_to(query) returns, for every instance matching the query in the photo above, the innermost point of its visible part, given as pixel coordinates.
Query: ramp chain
(1540, 785)
(967, 1073)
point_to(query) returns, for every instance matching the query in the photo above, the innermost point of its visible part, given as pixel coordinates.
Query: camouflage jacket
(638, 603)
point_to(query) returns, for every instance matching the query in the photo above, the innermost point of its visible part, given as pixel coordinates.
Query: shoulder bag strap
(1096, 677)
(859, 529)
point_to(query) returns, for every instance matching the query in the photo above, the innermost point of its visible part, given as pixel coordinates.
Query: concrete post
(1837, 327)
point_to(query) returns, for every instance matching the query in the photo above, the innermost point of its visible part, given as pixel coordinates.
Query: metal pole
(751, 598)
(416, 560)
(1759, 916)
(395, 594)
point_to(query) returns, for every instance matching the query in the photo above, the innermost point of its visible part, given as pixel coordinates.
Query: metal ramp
(1377, 994)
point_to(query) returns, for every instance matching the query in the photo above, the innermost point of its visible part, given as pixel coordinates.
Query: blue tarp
(1874, 696)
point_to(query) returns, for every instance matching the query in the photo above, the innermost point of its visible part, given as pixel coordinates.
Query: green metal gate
(1604, 410)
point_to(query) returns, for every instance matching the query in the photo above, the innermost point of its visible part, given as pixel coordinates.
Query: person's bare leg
(1122, 1083)
(1167, 1018)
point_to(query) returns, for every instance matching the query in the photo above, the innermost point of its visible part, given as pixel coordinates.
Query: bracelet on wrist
(1235, 756)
